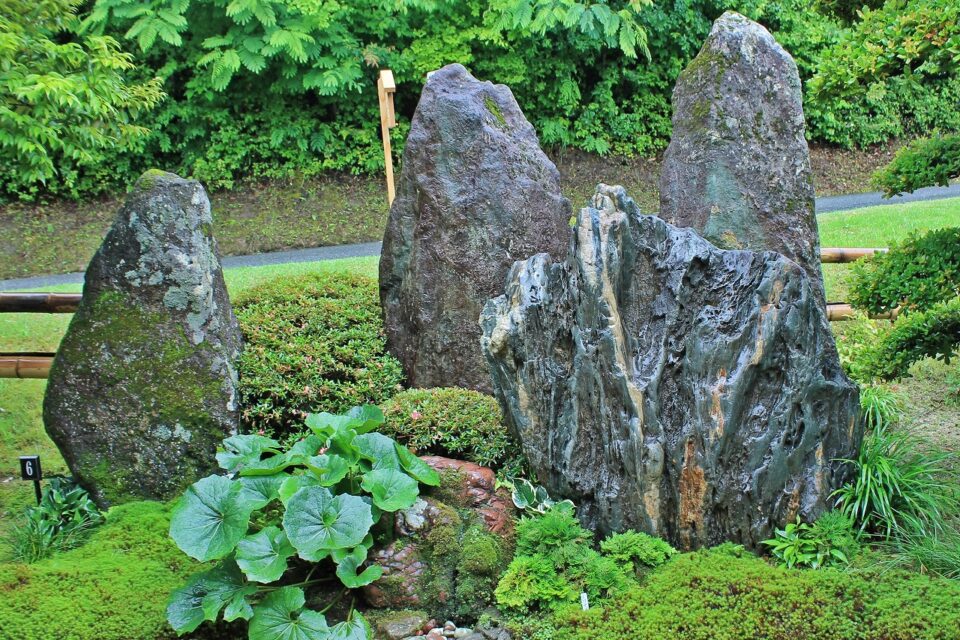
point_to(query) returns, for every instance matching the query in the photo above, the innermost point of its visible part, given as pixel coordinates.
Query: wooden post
(839, 311)
(388, 120)
(25, 365)
(847, 254)
(39, 302)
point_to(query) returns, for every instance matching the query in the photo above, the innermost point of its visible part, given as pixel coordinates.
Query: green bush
(934, 333)
(915, 274)
(62, 521)
(452, 422)
(722, 595)
(830, 541)
(313, 343)
(636, 550)
(114, 587)
(922, 163)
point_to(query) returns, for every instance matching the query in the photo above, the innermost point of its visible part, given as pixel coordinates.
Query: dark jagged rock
(143, 387)
(476, 193)
(738, 169)
(670, 386)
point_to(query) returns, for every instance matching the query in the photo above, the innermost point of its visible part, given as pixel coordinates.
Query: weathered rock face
(449, 548)
(143, 387)
(669, 386)
(476, 193)
(738, 169)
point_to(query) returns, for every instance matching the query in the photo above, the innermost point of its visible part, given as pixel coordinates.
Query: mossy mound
(115, 587)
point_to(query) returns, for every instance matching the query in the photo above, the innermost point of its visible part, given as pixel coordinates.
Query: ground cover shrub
(922, 163)
(114, 587)
(830, 541)
(453, 422)
(63, 520)
(313, 343)
(556, 561)
(280, 514)
(915, 274)
(727, 593)
(897, 485)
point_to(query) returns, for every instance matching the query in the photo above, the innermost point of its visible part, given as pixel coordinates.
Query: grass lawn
(929, 409)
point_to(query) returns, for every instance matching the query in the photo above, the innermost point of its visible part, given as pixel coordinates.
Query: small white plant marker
(584, 601)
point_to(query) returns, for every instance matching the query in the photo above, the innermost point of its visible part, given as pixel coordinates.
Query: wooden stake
(847, 254)
(39, 302)
(839, 311)
(25, 365)
(385, 90)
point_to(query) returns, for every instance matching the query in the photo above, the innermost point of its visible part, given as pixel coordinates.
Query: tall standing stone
(669, 386)
(476, 193)
(143, 387)
(738, 168)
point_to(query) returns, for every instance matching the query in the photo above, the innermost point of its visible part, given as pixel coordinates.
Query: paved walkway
(824, 205)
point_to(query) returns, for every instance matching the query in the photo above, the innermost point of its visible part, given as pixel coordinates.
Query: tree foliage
(63, 97)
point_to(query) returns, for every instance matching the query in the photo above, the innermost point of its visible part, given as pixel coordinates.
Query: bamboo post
(25, 365)
(386, 87)
(839, 311)
(847, 254)
(39, 302)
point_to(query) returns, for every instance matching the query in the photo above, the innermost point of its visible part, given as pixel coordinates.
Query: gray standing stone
(143, 387)
(738, 168)
(476, 193)
(669, 386)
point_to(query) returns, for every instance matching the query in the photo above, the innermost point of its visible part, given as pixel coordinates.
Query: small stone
(449, 626)
(436, 634)
(402, 626)
(462, 632)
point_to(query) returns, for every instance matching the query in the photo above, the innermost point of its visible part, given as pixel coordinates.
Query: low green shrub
(855, 340)
(313, 343)
(896, 485)
(916, 274)
(452, 422)
(726, 594)
(922, 163)
(62, 521)
(555, 562)
(830, 541)
(114, 587)
(934, 333)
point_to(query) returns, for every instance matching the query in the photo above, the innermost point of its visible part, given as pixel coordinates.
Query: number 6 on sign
(30, 470)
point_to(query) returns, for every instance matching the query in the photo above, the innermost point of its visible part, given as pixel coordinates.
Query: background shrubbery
(268, 88)
(312, 343)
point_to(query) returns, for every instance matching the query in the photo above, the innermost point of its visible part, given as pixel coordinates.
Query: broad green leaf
(391, 489)
(237, 608)
(263, 556)
(329, 469)
(349, 564)
(266, 467)
(378, 449)
(316, 521)
(305, 448)
(294, 483)
(204, 595)
(416, 467)
(280, 616)
(366, 418)
(211, 517)
(326, 424)
(242, 450)
(355, 629)
(262, 489)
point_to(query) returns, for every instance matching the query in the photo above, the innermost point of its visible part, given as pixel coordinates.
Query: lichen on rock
(143, 387)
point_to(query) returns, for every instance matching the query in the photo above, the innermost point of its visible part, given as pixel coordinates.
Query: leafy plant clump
(880, 406)
(534, 499)
(729, 593)
(62, 521)
(555, 562)
(313, 343)
(916, 274)
(922, 163)
(281, 515)
(896, 485)
(830, 541)
(453, 422)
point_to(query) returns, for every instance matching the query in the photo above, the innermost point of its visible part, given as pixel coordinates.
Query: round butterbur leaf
(329, 469)
(281, 616)
(316, 521)
(391, 489)
(416, 467)
(211, 517)
(263, 556)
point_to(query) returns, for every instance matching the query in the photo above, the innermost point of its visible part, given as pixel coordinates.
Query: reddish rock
(479, 492)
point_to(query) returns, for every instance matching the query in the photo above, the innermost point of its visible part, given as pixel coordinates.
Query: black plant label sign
(30, 468)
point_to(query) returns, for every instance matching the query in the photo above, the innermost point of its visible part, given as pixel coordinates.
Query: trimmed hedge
(313, 343)
(452, 422)
(727, 594)
(934, 333)
(922, 163)
(115, 587)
